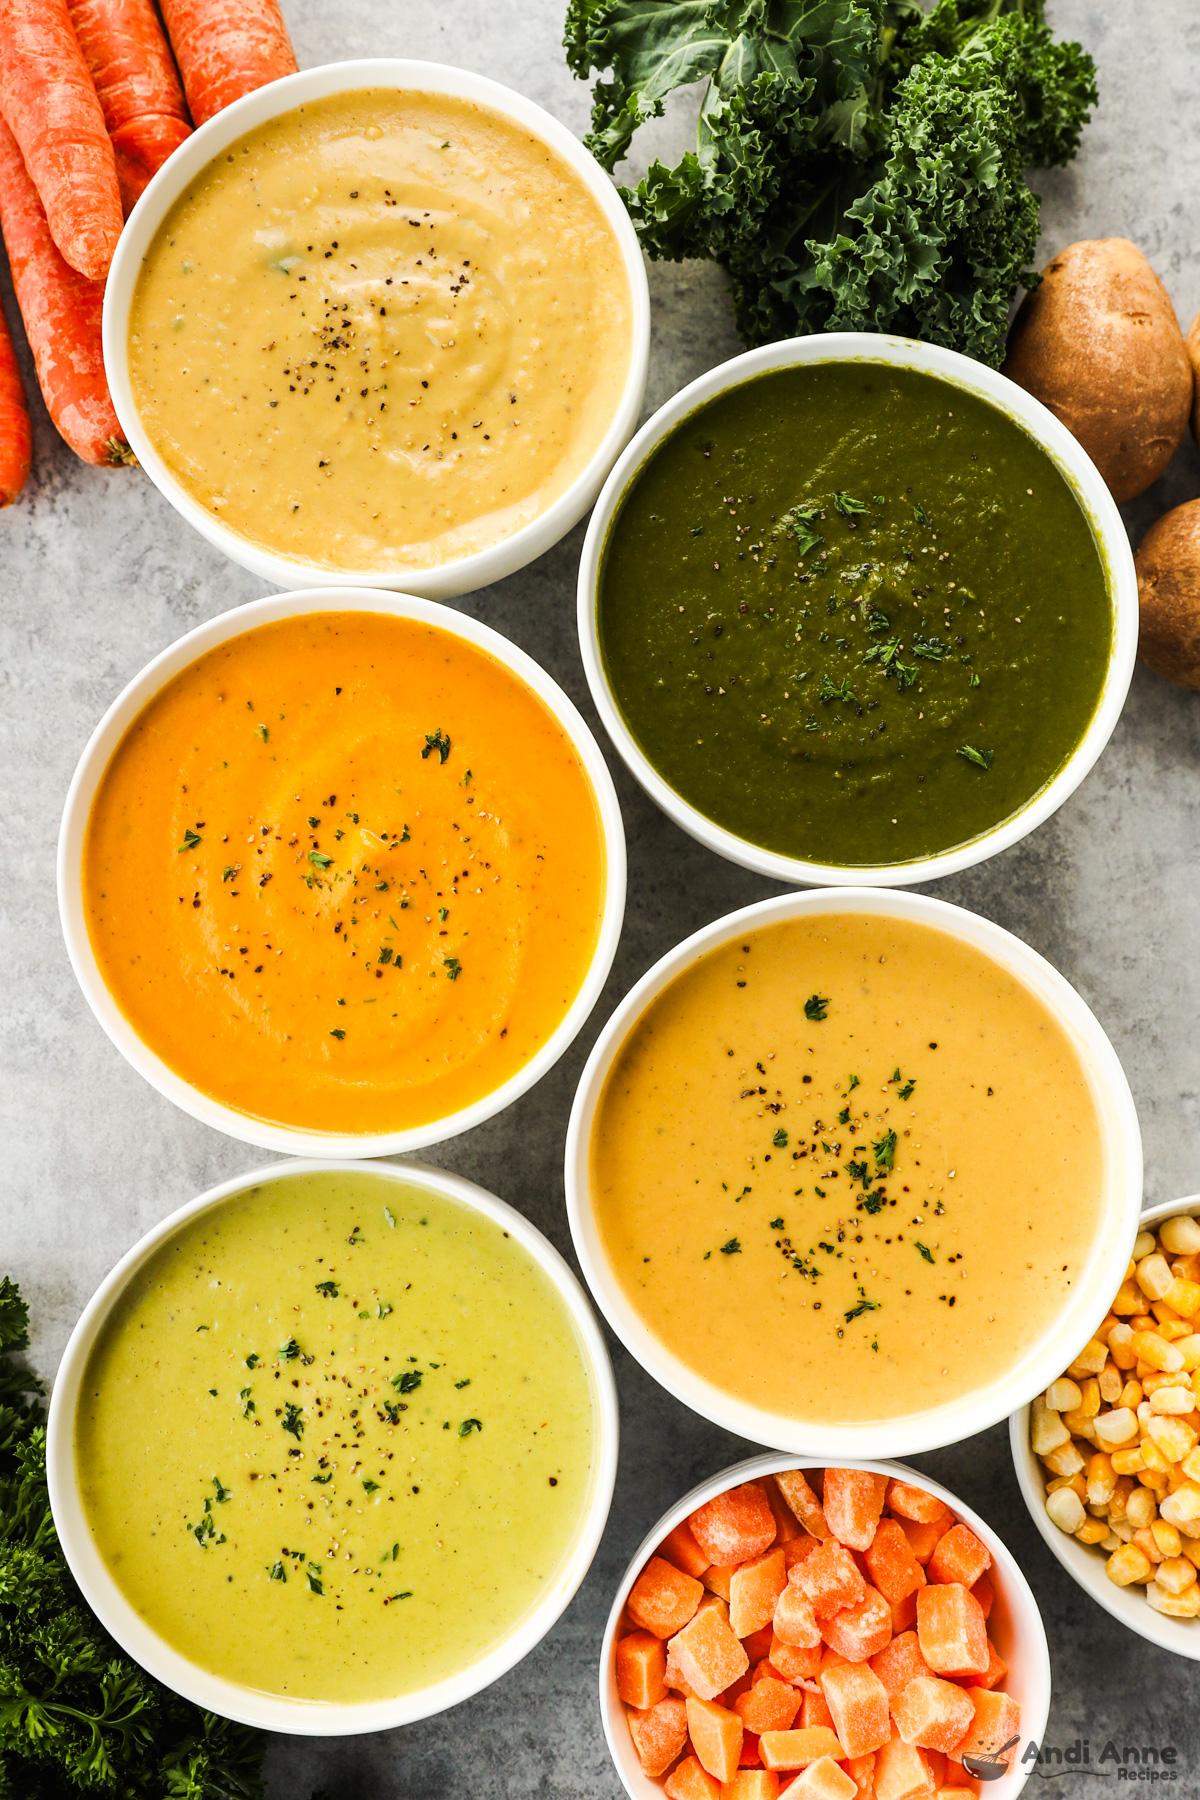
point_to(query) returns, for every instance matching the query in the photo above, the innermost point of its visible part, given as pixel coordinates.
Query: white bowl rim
(1083, 1562)
(954, 1420)
(271, 1712)
(1018, 1596)
(93, 764)
(462, 574)
(1043, 427)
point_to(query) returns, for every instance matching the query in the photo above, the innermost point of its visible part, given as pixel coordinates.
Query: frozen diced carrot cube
(822, 1780)
(689, 1780)
(797, 1548)
(960, 1556)
(831, 1659)
(680, 1547)
(852, 1505)
(995, 1672)
(659, 1733)
(858, 1702)
(770, 1705)
(815, 1711)
(716, 1734)
(904, 1613)
(891, 1563)
(708, 1654)
(830, 1579)
(754, 1588)
(932, 1713)
(955, 1793)
(924, 1535)
(719, 1578)
(793, 1662)
(663, 1598)
(985, 1593)
(909, 1502)
(796, 1749)
(794, 1619)
(898, 1662)
(749, 1758)
(861, 1770)
(858, 1632)
(641, 1670)
(936, 1762)
(951, 1630)
(902, 1772)
(674, 1677)
(803, 1502)
(751, 1784)
(786, 1525)
(735, 1526)
(996, 1725)
(757, 1644)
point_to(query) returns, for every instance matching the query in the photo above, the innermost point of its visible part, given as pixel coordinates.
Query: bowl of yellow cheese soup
(853, 1172)
(342, 873)
(333, 1446)
(382, 321)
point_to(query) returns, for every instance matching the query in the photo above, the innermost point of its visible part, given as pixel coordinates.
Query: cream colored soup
(847, 1168)
(383, 331)
(337, 1438)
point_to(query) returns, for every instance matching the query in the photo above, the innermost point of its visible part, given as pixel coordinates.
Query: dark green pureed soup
(853, 613)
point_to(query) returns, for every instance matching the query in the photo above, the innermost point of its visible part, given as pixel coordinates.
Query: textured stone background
(97, 574)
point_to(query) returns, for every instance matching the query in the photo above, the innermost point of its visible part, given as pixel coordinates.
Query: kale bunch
(860, 164)
(76, 1716)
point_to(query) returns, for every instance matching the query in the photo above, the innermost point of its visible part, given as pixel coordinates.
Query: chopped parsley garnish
(798, 523)
(927, 1254)
(885, 1150)
(371, 1487)
(465, 1382)
(468, 1426)
(848, 506)
(815, 1007)
(435, 740)
(905, 1093)
(277, 1572)
(889, 656)
(293, 1420)
(322, 1480)
(328, 1288)
(319, 859)
(337, 1032)
(732, 1248)
(854, 1082)
(222, 1493)
(780, 1140)
(385, 955)
(864, 1306)
(253, 1360)
(248, 1405)
(873, 1203)
(919, 513)
(290, 1351)
(860, 1171)
(981, 758)
(190, 840)
(844, 1116)
(408, 1382)
(227, 872)
(263, 733)
(314, 1578)
(931, 648)
(453, 968)
(313, 821)
(836, 690)
(776, 1224)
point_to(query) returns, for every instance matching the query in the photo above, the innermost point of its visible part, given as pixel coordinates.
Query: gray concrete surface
(97, 574)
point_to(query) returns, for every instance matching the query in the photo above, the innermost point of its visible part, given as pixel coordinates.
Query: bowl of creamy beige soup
(333, 1446)
(853, 1172)
(384, 320)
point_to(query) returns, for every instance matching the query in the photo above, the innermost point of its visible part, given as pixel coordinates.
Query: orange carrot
(226, 48)
(16, 444)
(126, 52)
(61, 309)
(49, 103)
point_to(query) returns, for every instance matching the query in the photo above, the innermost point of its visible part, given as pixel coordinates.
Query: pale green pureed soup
(336, 1437)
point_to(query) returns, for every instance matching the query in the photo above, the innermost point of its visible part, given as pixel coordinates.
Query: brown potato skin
(1168, 572)
(1099, 344)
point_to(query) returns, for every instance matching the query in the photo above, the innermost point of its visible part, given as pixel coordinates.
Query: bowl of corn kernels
(1108, 1457)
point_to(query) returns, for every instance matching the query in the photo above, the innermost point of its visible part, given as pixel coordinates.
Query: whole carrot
(49, 103)
(16, 443)
(127, 56)
(61, 309)
(226, 48)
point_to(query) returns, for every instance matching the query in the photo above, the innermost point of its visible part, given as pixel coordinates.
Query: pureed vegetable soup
(879, 622)
(382, 331)
(336, 1438)
(345, 873)
(846, 1168)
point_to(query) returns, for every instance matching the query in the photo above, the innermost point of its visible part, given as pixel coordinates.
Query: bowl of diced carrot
(1108, 1457)
(794, 1631)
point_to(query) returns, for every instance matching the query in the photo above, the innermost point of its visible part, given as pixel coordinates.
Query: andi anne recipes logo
(1116, 1759)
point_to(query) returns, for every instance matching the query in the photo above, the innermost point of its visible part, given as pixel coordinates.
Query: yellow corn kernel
(1191, 1465)
(1174, 1606)
(1175, 1574)
(1154, 1457)
(1180, 1236)
(1092, 1531)
(1189, 1349)
(1184, 1296)
(1143, 1321)
(1119, 1497)
(1063, 1395)
(1159, 1379)
(1154, 1275)
(1144, 1539)
(1046, 1429)
(1065, 1459)
(1080, 1424)
(1128, 1462)
(1153, 1349)
(1172, 1438)
(1089, 1404)
(1090, 1361)
(1140, 1508)
(1195, 1382)
(1129, 1298)
(1154, 1479)
(1101, 1479)
(1131, 1395)
(1187, 1268)
(1166, 1537)
(1117, 1429)
(1119, 1347)
(1173, 1329)
(1173, 1401)
(1105, 1326)
(1190, 1547)
(1182, 1508)
(1066, 1509)
(1127, 1565)
(1076, 1483)
(1144, 1244)
(1110, 1382)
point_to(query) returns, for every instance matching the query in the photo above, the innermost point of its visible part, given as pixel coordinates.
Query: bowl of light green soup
(332, 1448)
(854, 608)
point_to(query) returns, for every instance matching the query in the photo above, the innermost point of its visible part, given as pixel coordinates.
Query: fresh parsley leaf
(798, 523)
(836, 690)
(777, 1224)
(290, 1351)
(931, 648)
(329, 1289)
(293, 1420)
(981, 758)
(885, 1150)
(190, 840)
(927, 1254)
(905, 1093)
(369, 1486)
(408, 1382)
(780, 1139)
(468, 1426)
(848, 506)
(815, 1007)
(319, 859)
(435, 740)
(732, 1248)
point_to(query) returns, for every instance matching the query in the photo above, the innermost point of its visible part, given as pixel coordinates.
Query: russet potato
(1168, 572)
(1099, 344)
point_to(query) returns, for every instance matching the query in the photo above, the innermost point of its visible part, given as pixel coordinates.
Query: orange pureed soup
(847, 1168)
(345, 873)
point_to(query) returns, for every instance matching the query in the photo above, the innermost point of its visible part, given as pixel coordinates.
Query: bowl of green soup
(332, 1447)
(892, 618)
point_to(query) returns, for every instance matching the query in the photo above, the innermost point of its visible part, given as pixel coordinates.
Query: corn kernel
(1166, 1537)
(1175, 1606)
(1117, 1428)
(1159, 1379)
(1155, 1350)
(1076, 1483)
(1190, 1548)
(1182, 1508)
(1184, 1296)
(1066, 1509)
(1110, 1383)
(1128, 1462)
(1119, 1347)
(1063, 1395)
(1191, 1465)
(1180, 1236)
(1127, 1565)
(1140, 1508)
(1175, 1574)
(1144, 1244)
(1174, 1400)
(1122, 1530)
(1189, 1349)
(1089, 1403)
(1120, 1495)
(1187, 1268)
(1046, 1431)
(1153, 1276)
(1144, 1539)
(1111, 1542)
(1091, 1359)
(1129, 1298)
(1092, 1531)
(1080, 1424)
(1154, 1479)
(1131, 1395)
(1065, 1459)
(1172, 1438)
(1170, 1327)
(1101, 1480)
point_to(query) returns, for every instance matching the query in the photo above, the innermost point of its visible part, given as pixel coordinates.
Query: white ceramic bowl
(274, 1712)
(465, 573)
(95, 760)
(1084, 1563)
(1116, 1225)
(1072, 462)
(1015, 1625)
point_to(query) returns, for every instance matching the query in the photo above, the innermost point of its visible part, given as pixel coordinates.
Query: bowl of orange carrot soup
(853, 1172)
(342, 873)
(384, 323)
